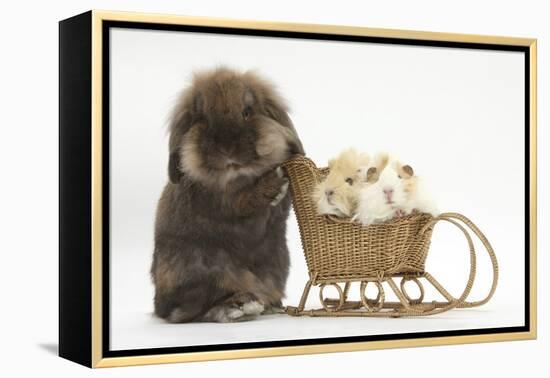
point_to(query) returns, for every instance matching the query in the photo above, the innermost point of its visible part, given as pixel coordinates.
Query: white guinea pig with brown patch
(418, 197)
(391, 190)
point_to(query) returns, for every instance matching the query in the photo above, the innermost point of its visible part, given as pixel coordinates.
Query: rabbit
(337, 193)
(391, 190)
(220, 252)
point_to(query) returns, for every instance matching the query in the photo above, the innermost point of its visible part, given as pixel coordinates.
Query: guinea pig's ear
(277, 110)
(382, 160)
(372, 174)
(406, 171)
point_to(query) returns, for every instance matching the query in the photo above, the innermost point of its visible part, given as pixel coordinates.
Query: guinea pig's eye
(349, 180)
(247, 112)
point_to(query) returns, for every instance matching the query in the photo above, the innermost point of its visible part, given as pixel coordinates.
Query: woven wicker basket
(341, 251)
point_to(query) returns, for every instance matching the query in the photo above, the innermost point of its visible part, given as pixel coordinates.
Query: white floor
(134, 327)
(148, 332)
(144, 330)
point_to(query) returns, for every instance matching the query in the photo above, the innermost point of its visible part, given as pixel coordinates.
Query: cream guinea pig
(335, 196)
(351, 164)
(337, 193)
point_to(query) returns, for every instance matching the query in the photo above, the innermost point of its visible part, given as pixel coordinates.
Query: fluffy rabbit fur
(220, 247)
(337, 193)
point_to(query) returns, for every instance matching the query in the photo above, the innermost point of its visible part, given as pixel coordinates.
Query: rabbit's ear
(277, 110)
(174, 172)
(181, 123)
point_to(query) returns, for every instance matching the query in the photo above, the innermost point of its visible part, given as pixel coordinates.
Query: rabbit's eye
(349, 180)
(247, 112)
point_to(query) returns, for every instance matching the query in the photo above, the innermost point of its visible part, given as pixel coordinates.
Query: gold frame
(99, 16)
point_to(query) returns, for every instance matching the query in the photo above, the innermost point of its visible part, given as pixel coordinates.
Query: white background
(29, 201)
(439, 109)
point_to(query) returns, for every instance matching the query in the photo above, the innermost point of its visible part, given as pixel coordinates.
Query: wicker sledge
(342, 252)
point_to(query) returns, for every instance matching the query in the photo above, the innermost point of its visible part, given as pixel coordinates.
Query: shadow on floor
(51, 348)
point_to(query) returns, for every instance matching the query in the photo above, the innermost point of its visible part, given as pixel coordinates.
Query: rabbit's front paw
(283, 189)
(273, 186)
(282, 193)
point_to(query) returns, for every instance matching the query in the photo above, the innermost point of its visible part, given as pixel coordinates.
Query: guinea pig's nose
(329, 192)
(388, 192)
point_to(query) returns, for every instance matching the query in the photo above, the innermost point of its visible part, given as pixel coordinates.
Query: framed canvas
(192, 151)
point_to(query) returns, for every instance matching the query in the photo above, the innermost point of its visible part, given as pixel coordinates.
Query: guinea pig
(379, 162)
(350, 164)
(335, 195)
(392, 190)
(383, 196)
(419, 198)
(220, 252)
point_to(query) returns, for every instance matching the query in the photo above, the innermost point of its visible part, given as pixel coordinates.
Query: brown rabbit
(220, 234)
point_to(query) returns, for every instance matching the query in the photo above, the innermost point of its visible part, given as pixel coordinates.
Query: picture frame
(85, 153)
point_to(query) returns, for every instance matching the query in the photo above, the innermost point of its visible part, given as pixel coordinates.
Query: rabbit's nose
(329, 192)
(222, 150)
(225, 150)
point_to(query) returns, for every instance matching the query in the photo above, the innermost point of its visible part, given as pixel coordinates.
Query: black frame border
(75, 194)
(107, 25)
